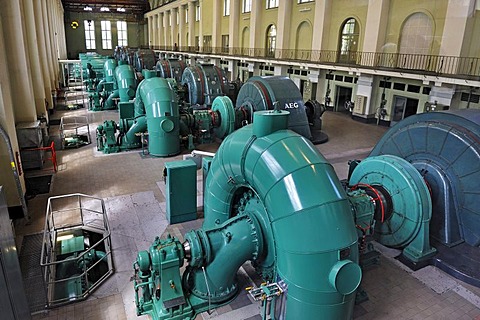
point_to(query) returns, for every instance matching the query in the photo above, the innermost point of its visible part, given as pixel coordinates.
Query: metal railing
(457, 67)
(70, 214)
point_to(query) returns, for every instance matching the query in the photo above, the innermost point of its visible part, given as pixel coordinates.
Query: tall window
(225, 39)
(186, 15)
(106, 35)
(417, 34)
(272, 4)
(122, 33)
(226, 7)
(197, 13)
(271, 40)
(348, 44)
(207, 43)
(89, 34)
(246, 6)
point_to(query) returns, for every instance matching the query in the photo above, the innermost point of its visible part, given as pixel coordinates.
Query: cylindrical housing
(267, 122)
(205, 82)
(275, 92)
(161, 108)
(126, 82)
(171, 68)
(308, 217)
(109, 69)
(444, 147)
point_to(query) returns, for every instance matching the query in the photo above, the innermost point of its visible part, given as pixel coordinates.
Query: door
(342, 95)
(403, 107)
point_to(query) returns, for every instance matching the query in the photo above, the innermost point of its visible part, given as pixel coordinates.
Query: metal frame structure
(69, 213)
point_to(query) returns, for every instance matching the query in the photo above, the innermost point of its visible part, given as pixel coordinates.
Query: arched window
(271, 41)
(416, 35)
(415, 42)
(348, 42)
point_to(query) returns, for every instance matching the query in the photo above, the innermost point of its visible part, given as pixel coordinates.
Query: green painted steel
(265, 124)
(281, 168)
(181, 190)
(213, 248)
(260, 205)
(163, 118)
(109, 69)
(225, 123)
(408, 206)
(158, 275)
(126, 82)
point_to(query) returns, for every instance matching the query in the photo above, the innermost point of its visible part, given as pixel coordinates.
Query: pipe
(310, 232)
(140, 124)
(18, 184)
(126, 82)
(131, 139)
(109, 103)
(109, 67)
(202, 153)
(100, 86)
(161, 107)
(214, 248)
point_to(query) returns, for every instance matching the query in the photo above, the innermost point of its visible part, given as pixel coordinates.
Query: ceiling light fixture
(87, 8)
(121, 9)
(104, 9)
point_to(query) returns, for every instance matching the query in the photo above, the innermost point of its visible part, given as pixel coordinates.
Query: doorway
(342, 95)
(403, 107)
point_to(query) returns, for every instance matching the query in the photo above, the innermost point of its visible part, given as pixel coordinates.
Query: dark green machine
(280, 92)
(104, 88)
(271, 198)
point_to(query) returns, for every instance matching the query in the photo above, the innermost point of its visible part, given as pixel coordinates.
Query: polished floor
(132, 184)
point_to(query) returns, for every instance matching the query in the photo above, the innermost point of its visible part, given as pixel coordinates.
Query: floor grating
(32, 272)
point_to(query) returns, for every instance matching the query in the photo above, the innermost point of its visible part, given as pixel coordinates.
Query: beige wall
(317, 25)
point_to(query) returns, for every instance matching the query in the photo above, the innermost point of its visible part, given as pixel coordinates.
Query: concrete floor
(131, 187)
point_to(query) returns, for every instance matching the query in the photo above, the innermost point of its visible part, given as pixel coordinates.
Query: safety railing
(71, 273)
(458, 67)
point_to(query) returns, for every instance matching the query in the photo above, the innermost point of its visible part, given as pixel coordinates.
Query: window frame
(271, 41)
(89, 26)
(122, 34)
(246, 6)
(198, 13)
(106, 34)
(271, 4)
(226, 8)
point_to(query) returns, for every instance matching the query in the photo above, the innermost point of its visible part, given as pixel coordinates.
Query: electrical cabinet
(360, 104)
(30, 139)
(181, 190)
